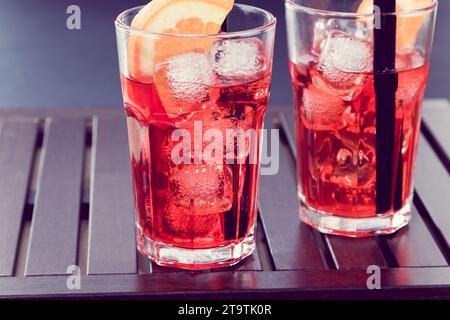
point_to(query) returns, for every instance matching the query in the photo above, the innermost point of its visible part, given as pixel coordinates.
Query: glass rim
(343, 14)
(120, 24)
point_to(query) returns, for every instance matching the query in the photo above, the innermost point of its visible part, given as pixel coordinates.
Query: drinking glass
(194, 123)
(355, 175)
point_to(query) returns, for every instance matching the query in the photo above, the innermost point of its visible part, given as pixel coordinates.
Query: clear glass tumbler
(194, 121)
(357, 124)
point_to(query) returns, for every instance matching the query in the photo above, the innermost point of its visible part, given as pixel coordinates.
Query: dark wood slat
(17, 142)
(112, 247)
(291, 243)
(432, 184)
(400, 283)
(347, 253)
(356, 253)
(436, 115)
(414, 246)
(54, 229)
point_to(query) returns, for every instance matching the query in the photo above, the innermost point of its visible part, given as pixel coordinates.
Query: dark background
(44, 64)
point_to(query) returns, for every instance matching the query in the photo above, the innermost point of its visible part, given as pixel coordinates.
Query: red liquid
(335, 124)
(203, 205)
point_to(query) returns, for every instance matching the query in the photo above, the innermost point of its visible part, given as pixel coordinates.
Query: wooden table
(66, 200)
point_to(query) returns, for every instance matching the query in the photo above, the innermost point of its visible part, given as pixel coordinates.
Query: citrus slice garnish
(407, 26)
(177, 17)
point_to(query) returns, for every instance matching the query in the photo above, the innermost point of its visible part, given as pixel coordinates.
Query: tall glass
(337, 104)
(194, 123)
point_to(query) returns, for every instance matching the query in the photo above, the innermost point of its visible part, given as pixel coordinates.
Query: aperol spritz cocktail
(194, 121)
(337, 113)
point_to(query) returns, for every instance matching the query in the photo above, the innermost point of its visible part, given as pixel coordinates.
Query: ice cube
(223, 123)
(322, 111)
(186, 223)
(234, 59)
(201, 188)
(409, 59)
(183, 222)
(184, 82)
(347, 53)
(344, 65)
(411, 83)
(361, 29)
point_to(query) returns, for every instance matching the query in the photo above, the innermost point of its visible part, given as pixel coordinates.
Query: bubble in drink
(344, 65)
(232, 59)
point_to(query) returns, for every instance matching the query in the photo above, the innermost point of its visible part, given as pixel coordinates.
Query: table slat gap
(18, 138)
(328, 255)
(87, 163)
(262, 247)
(27, 218)
(83, 228)
(388, 254)
(36, 164)
(2, 122)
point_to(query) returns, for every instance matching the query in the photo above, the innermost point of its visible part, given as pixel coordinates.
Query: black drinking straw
(386, 83)
(224, 26)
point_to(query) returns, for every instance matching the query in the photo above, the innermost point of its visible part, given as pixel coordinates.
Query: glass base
(195, 259)
(356, 227)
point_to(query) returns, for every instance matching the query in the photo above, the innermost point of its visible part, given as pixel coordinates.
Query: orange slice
(407, 26)
(172, 16)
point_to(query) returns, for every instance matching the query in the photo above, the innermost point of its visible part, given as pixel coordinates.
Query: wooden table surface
(66, 199)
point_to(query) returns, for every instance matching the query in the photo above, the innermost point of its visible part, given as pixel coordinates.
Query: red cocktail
(336, 134)
(200, 203)
(358, 100)
(194, 119)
